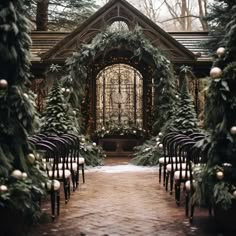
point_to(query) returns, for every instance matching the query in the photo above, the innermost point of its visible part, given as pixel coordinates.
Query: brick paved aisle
(114, 202)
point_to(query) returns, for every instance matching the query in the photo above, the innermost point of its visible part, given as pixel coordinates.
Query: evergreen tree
(56, 119)
(20, 177)
(218, 180)
(184, 118)
(218, 16)
(59, 15)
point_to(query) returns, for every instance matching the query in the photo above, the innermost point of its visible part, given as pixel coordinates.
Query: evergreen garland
(216, 183)
(80, 62)
(20, 176)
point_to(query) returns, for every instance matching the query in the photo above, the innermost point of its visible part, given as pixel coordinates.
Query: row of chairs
(62, 163)
(182, 154)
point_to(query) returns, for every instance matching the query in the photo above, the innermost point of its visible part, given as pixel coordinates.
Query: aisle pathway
(120, 200)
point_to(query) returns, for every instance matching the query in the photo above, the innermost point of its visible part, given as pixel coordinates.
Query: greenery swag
(164, 81)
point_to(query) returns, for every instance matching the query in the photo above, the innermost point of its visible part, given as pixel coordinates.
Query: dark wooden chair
(49, 152)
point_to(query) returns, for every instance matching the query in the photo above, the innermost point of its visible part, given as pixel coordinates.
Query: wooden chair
(53, 185)
(61, 171)
(165, 159)
(76, 158)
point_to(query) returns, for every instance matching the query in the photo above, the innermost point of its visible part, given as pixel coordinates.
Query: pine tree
(184, 119)
(59, 15)
(218, 180)
(20, 177)
(56, 119)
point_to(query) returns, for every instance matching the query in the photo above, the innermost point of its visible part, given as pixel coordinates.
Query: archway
(131, 48)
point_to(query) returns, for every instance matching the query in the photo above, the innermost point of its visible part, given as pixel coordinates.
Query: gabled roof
(116, 10)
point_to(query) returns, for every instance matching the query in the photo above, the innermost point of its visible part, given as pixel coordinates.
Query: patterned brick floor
(123, 203)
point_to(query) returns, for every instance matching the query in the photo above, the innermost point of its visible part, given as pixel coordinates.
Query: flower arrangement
(120, 130)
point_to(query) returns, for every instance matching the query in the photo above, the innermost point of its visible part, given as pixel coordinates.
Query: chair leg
(83, 174)
(164, 175)
(58, 203)
(177, 192)
(171, 182)
(186, 203)
(160, 167)
(166, 180)
(65, 191)
(73, 175)
(53, 204)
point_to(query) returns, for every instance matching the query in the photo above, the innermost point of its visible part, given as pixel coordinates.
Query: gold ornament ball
(233, 130)
(3, 188)
(215, 72)
(220, 175)
(220, 51)
(3, 84)
(31, 158)
(16, 174)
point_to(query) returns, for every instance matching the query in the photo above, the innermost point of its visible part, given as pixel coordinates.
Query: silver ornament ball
(234, 193)
(3, 84)
(3, 188)
(16, 174)
(220, 51)
(215, 72)
(233, 130)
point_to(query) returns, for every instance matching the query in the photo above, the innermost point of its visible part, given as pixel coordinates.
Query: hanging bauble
(94, 144)
(31, 158)
(220, 51)
(3, 188)
(234, 193)
(157, 139)
(16, 174)
(215, 72)
(160, 134)
(3, 84)
(220, 175)
(233, 130)
(160, 145)
(24, 175)
(63, 90)
(68, 90)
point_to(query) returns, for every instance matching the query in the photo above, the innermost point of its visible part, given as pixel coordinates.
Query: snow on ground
(122, 168)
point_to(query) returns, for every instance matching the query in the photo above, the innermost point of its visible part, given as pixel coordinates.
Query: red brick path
(115, 204)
